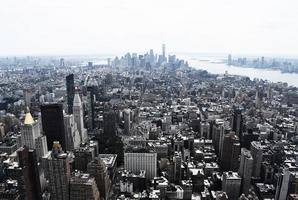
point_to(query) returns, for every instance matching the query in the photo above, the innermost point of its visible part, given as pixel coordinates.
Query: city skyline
(113, 27)
(146, 127)
(148, 100)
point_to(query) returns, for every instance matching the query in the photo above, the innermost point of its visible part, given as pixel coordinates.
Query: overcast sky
(114, 26)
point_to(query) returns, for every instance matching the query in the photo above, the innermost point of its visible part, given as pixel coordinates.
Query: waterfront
(215, 66)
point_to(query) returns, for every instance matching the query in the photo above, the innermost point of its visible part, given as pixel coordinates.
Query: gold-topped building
(28, 119)
(30, 131)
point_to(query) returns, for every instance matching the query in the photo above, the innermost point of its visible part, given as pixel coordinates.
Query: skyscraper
(28, 163)
(109, 122)
(177, 158)
(79, 117)
(58, 172)
(127, 121)
(245, 169)
(41, 146)
(62, 64)
(83, 187)
(72, 135)
(218, 131)
(90, 106)
(258, 99)
(231, 184)
(29, 131)
(70, 90)
(257, 154)
(237, 122)
(98, 169)
(164, 52)
(27, 97)
(229, 59)
(53, 123)
(205, 130)
(83, 156)
(151, 57)
(283, 185)
(230, 152)
(141, 160)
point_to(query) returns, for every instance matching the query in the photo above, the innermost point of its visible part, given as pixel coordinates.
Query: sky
(68, 27)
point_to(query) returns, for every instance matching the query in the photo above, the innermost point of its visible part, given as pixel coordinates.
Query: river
(216, 66)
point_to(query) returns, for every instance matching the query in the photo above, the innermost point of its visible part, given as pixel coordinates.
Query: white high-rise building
(29, 131)
(136, 161)
(78, 117)
(41, 146)
(127, 121)
(73, 140)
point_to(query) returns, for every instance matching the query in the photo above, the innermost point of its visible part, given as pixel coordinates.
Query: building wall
(29, 133)
(141, 161)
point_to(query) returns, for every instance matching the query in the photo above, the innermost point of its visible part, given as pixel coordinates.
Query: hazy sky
(113, 26)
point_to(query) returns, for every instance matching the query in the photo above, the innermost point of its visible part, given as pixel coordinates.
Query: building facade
(141, 161)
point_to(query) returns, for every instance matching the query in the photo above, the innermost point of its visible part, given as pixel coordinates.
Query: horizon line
(109, 54)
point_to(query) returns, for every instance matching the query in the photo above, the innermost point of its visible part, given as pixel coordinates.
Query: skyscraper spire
(29, 131)
(28, 117)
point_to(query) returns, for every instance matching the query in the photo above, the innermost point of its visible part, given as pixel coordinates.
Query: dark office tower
(230, 152)
(70, 89)
(237, 122)
(90, 106)
(82, 156)
(53, 123)
(28, 163)
(177, 167)
(109, 122)
(258, 99)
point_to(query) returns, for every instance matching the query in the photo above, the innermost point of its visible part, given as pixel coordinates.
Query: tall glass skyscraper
(53, 123)
(70, 89)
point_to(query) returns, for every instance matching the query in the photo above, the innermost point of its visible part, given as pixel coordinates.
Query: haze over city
(54, 27)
